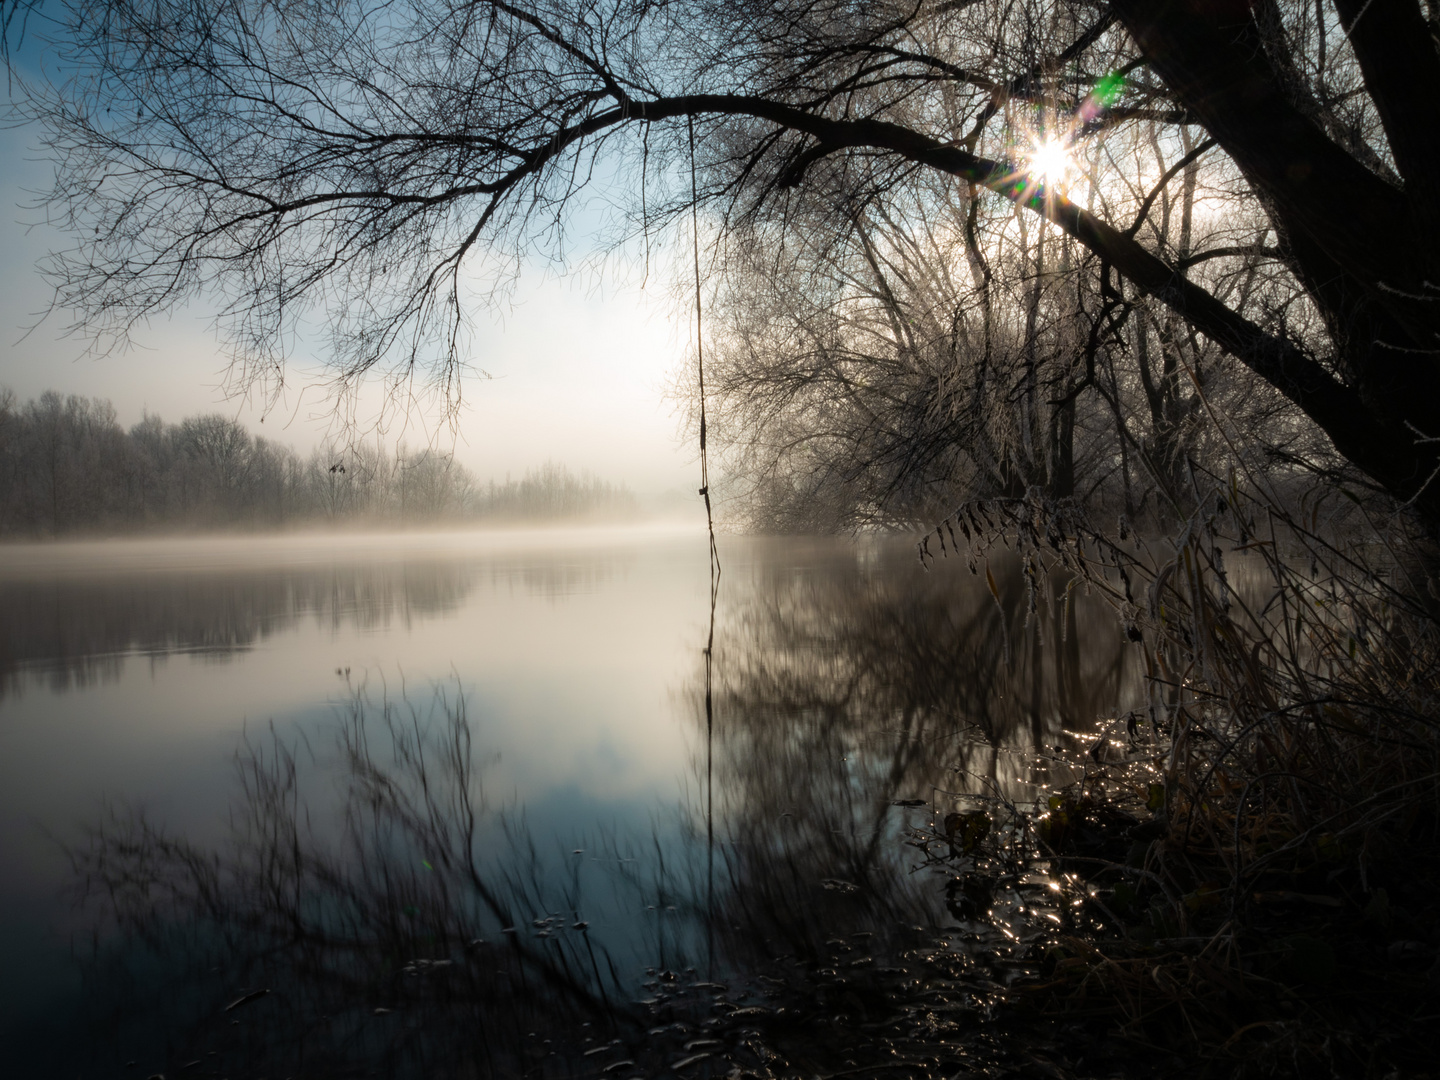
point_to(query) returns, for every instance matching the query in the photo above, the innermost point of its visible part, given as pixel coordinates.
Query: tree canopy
(375, 162)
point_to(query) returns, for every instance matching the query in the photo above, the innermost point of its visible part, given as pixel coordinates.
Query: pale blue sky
(579, 369)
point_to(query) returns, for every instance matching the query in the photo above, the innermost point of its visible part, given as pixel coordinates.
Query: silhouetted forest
(67, 466)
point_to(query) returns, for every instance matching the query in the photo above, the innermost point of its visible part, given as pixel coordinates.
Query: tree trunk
(1367, 252)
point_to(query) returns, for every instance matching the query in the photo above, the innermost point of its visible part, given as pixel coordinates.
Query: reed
(1246, 867)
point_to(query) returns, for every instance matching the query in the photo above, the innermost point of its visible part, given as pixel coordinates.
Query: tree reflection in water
(69, 630)
(851, 686)
(411, 928)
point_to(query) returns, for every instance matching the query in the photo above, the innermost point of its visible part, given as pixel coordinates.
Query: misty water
(855, 696)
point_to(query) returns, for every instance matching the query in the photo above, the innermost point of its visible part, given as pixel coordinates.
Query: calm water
(489, 752)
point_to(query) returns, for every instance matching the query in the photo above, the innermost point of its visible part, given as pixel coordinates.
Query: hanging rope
(714, 565)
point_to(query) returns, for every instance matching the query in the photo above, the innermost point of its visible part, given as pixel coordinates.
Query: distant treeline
(68, 466)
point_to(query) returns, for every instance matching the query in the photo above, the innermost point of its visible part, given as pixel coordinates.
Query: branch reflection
(851, 684)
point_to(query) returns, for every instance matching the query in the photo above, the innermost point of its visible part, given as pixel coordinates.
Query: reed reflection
(413, 928)
(408, 927)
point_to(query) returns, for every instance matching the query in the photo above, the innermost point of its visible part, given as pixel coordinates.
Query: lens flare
(1048, 161)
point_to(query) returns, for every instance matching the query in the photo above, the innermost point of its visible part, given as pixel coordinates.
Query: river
(481, 729)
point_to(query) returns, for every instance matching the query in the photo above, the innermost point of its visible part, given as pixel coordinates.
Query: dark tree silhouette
(67, 467)
(369, 160)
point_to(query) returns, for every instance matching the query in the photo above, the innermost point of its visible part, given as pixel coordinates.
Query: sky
(578, 365)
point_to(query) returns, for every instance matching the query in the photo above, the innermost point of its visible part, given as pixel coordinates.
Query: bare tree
(363, 163)
(878, 360)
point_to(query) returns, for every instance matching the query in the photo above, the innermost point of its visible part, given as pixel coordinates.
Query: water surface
(847, 682)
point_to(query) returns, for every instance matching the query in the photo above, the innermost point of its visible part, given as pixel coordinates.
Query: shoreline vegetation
(1244, 870)
(68, 469)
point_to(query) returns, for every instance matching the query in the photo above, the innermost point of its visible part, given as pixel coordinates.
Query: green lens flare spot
(1108, 89)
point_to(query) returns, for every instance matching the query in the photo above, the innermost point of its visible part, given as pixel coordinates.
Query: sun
(1048, 161)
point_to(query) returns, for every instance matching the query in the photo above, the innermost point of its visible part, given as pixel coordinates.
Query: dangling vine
(714, 559)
